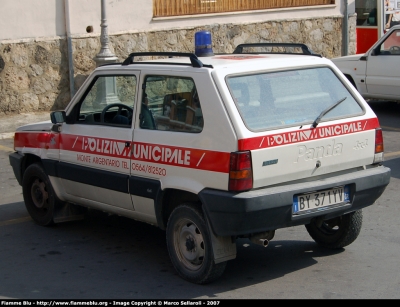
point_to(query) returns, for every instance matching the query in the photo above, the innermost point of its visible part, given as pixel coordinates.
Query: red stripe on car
(45, 140)
(303, 135)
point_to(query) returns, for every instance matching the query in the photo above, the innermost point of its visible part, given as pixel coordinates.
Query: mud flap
(224, 248)
(65, 212)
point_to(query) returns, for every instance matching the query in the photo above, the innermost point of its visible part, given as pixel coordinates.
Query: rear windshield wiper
(318, 119)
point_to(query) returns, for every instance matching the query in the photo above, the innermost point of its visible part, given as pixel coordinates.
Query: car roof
(250, 56)
(239, 62)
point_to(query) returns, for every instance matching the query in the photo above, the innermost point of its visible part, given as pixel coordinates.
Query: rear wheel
(337, 232)
(39, 196)
(189, 246)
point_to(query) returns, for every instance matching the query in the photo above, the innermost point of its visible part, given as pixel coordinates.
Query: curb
(6, 135)
(10, 123)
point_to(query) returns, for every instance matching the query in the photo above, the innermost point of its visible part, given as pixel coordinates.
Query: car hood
(39, 126)
(348, 58)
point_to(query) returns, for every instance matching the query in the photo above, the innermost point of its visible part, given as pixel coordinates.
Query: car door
(383, 72)
(95, 142)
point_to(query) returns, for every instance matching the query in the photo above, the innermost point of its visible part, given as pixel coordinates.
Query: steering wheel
(121, 107)
(394, 48)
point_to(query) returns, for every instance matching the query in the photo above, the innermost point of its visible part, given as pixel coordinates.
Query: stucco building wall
(34, 71)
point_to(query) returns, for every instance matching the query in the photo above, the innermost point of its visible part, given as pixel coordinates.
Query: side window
(171, 103)
(109, 101)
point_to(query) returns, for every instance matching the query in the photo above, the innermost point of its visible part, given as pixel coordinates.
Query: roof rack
(304, 48)
(195, 62)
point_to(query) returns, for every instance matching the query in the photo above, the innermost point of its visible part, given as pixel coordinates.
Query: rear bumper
(266, 209)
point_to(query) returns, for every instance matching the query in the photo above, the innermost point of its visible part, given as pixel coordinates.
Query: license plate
(320, 199)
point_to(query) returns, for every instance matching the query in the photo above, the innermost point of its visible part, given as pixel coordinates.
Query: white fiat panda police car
(210, 149)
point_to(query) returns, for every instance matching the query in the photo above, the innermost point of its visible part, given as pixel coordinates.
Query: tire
(189, 246)
(351, 81)
(39, 195)
(337, 232)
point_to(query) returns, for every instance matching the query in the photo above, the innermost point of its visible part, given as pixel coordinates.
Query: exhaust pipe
(262, 242)
(262, 238)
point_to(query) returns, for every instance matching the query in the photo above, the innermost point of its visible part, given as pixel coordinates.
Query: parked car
(210, 149)
(376, 74)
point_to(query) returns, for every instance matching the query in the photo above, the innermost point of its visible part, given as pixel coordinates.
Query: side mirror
(376, 51)
(58, 117)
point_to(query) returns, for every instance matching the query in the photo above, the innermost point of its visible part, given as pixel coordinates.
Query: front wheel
(351, 80)
(337, 232)
(189, 246)
(39, 196)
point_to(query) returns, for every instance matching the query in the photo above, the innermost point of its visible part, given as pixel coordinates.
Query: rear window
(296, 97)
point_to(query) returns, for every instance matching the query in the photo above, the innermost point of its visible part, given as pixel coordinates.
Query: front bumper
(16, 163)
(235, 214)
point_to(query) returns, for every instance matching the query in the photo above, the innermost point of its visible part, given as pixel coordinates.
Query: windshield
(288, 98)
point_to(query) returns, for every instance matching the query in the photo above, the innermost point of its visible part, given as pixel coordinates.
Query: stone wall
(34, 74)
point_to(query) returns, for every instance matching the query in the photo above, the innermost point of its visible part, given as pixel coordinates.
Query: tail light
(240, 171)
(378, 145)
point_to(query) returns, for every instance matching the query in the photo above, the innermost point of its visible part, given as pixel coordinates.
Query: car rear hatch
(303, 124)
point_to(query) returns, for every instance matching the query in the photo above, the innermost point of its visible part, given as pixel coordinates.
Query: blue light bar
(202, 42)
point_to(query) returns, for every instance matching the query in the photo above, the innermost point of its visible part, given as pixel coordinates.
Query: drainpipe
(69, 43)
(345, 29)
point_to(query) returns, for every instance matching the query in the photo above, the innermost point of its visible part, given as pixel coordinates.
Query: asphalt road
(109, 257)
